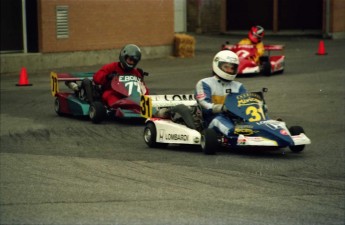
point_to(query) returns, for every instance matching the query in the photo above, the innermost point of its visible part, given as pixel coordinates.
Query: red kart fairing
(266, 65)
(131, 87)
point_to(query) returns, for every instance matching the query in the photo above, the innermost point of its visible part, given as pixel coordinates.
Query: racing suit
(259, 47)
(211, 92)
(101, 77)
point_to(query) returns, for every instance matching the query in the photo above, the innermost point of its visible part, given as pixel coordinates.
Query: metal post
(275, 16)
(25, 44)
(328, 20)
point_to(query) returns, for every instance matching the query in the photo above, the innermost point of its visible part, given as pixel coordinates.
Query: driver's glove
(218, 108)
(110, 76)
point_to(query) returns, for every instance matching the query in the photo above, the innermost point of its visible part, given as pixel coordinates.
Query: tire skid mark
(36, 134)
(150, 179)
(93, 202)
(103, 174)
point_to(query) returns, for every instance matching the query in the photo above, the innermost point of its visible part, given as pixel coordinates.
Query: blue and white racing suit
(210, 95)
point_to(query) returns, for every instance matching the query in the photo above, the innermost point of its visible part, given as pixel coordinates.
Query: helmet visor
(229, 68)
(131, 60)
(257, 36)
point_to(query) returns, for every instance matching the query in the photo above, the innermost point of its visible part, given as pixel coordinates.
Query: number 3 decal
(146, 106)
(255, 113)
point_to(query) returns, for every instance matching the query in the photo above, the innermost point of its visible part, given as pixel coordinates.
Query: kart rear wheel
(150, 135)
(296, 130)
(209, 141)
(57, 107)
(97, 112)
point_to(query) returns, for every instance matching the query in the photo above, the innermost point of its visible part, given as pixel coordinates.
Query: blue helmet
(131, 52)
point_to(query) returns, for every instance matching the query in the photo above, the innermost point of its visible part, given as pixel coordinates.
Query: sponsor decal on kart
(259, 141)
(246, 98)
(171, 136)
(150, 103)
(175, 137)
(189, 97)
(272, 124)
(244, 129)
(126, 78)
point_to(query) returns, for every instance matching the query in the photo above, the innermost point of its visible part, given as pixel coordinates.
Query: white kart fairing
(174, 133)
(159, 101)
(250, 70)
(277, 63)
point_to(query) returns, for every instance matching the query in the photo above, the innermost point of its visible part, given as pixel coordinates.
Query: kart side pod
(159, 130)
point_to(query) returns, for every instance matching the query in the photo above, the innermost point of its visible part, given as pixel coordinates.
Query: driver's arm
(205, 99)
(260, 48)
(100, 77)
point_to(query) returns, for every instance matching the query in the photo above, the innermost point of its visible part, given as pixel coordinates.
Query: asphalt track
(62, 170)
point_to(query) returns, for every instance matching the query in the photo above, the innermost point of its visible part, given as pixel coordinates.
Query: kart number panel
(248, 106)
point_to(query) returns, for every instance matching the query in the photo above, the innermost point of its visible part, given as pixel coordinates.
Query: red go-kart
(267, 64)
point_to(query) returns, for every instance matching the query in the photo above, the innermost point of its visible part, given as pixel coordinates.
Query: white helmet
(225, 65)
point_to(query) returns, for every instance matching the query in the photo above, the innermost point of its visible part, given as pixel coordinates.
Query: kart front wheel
(296, 130)
(97, 112)
(150, 136)
(209, 141)
(266, 68)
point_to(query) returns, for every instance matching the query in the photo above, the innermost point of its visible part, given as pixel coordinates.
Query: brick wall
(338, 10)
(107, 24)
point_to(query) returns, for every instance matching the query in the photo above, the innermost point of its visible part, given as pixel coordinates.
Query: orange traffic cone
(23, 79)
(322, 50)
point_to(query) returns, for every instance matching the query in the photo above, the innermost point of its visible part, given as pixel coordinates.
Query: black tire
(266, 68)
(209, 141)
(280, 72)
(150, 135)
(97, 112)
(296, 130)
(57, 107)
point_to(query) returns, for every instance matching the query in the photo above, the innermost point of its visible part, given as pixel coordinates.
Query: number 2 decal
(255, 113)
(242, 53)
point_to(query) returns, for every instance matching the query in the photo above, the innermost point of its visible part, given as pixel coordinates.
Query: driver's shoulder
(236, 86)
(245, 41)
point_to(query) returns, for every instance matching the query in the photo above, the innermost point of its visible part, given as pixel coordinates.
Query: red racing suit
(109, 96)
(259, 47)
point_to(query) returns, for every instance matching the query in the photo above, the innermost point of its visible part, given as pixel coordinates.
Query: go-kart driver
(212, 91)
(129, 57)
(255, 37)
